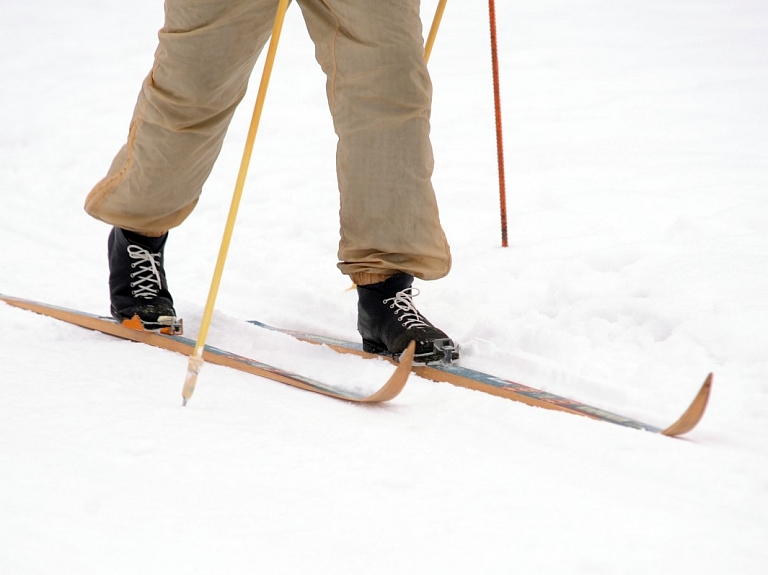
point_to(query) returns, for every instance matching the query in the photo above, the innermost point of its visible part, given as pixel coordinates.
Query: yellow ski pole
(196, 358)
(433, 30)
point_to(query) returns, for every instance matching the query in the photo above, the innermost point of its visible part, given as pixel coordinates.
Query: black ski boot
(137, 284)
(388, 321)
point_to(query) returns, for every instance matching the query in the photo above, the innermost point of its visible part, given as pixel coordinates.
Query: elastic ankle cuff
(368, 278)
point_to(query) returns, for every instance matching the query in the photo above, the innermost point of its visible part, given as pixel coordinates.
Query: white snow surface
(636, 145)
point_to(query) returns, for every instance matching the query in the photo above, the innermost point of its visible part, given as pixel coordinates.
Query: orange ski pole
(497, 109)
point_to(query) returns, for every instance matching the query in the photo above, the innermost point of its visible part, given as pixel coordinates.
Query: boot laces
(148, 281)
(403, 302)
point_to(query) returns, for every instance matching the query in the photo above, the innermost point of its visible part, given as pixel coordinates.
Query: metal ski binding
(448, 349)
(165, 324)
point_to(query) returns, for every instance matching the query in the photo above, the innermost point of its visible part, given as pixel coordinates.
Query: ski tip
(407, 356)
(399, 378)
(694, 413)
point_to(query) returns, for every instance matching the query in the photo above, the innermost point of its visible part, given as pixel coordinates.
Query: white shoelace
(403, 301)
(147, 282)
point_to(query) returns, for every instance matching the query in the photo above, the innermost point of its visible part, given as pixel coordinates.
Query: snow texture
(636, 147)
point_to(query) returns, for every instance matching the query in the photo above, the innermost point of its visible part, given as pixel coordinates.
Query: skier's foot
(388, 321)
(137, 286)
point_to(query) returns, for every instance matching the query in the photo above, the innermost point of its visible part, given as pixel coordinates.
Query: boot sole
(444, 352)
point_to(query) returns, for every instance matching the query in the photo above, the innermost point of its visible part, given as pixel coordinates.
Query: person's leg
(205, 56)
(379, 93)
(202, 65)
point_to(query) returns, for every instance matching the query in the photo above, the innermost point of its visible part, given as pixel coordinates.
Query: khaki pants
(379, 93)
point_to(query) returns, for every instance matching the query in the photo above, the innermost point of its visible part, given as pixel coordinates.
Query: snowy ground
(637, 170)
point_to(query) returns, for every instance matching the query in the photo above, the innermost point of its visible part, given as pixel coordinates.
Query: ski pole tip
(193, 370)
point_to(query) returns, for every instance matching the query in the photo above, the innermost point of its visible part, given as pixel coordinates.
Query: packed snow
(636, 146)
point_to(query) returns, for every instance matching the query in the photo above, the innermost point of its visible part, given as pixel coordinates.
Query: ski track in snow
(637, 164)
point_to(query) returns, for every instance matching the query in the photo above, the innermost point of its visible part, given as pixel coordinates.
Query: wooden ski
(185, 346)
(479, 381)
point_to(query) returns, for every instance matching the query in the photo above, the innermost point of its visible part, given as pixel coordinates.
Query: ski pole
(433, 30)
(196, 358)
(497, 110)
(496, 99)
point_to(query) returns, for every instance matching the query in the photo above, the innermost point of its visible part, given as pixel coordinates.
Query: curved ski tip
(399, 378)
(406, 358)
(694, 413)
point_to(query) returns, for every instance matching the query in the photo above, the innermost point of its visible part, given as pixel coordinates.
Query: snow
(637, 167)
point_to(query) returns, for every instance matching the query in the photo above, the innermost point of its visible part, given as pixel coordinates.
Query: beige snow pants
(379, 93)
